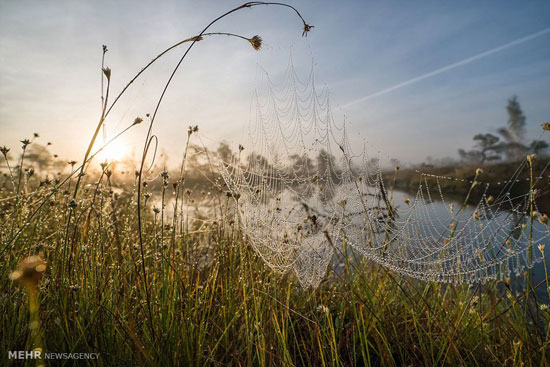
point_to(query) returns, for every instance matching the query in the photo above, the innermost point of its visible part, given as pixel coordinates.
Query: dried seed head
(543, 219)
(29, 272)
(4, 150)
(479, 171)
(546, 126)
(137, 121)
(25, 143)
(307, 29)
(107, 72)
(256, 42)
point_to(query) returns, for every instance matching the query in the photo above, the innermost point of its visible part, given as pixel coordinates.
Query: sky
(414, 79)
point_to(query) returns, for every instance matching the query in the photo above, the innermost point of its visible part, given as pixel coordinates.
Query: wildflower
(29, 272)
(4, 150)
(256, 42)
(546, 126)
(541, 248)
(543, 307)
(543, 219)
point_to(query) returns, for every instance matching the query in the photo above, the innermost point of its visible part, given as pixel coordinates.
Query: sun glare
(113, 152)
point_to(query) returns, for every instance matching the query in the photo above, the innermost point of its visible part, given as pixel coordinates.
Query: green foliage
(214, 301)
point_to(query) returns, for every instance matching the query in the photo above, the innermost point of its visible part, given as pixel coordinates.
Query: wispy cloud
(450, 67)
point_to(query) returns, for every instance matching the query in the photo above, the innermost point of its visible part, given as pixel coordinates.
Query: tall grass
(214, 302)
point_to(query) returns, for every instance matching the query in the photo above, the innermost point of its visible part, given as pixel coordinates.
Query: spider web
(302, 193)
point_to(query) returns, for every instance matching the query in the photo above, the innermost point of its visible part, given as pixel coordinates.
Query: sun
(114, 152)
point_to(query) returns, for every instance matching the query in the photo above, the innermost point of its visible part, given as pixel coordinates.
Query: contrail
(450, 67)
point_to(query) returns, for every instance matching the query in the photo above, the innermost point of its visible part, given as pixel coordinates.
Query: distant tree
(470, 156)
(488, 149)
(488, 145)
(539, 147)
(514, 132)
(516, 119)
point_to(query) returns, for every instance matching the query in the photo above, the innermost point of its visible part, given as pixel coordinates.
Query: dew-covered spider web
(304, 193)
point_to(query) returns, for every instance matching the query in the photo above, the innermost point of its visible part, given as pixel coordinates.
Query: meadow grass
(214, 301)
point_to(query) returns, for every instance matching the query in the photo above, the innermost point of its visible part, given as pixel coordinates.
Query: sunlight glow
(113, 152)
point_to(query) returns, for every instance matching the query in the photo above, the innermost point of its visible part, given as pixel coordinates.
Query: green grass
(212, 300)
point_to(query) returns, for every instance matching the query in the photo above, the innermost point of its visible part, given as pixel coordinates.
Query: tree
(488, 147)
(514, 132)
(538, 147)
(516, 119)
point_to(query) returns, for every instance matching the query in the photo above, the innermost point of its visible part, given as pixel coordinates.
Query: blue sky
(50, 55)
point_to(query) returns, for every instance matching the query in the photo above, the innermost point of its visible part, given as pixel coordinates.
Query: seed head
(541, 248)
(307, 29)
(4, 150)
(256, 42)
(107, 72)
(543, 219)
(531, 157)
(479, 171)
(137, 121)
(490, 199)
(25, 143)
(29, 272)
(546, 126)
